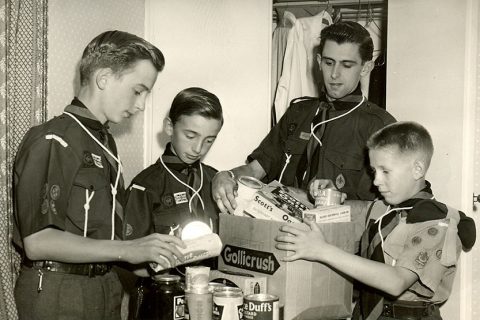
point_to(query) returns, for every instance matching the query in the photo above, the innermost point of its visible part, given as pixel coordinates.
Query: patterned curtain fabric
(23, 80)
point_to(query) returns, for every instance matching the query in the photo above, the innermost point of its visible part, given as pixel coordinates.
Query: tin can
(260, 307)
(247, 187)
(328, 197)
(166, 300)
(228, 304)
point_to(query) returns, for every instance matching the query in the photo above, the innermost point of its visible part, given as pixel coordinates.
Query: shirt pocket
(90, 181)
(295, 146)
(166, 219)
(345, 169)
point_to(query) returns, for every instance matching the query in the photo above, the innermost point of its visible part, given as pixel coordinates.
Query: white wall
(71, 26)
(224, 47)
(426, 83)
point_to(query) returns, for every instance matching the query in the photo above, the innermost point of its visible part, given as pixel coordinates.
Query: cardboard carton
(328, 214)
(307, 290)
(245, 281)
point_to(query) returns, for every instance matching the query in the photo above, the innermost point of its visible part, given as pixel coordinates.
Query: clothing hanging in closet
(298, 77)
(279, 44)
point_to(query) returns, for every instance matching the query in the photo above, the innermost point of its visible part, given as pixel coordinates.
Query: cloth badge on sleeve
(97, 160)
(87, 159)
(128, 230)
(304, 135)
(54, 192)
(180, 197)
(167, 200)
(340, 181)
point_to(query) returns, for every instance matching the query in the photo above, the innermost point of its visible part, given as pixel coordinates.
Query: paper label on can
(179, 307)
(260, 310)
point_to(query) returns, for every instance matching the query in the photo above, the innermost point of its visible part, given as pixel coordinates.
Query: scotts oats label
(260, 307)
(248, 259)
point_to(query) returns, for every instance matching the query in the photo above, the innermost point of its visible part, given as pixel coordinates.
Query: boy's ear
(419, 169)
(101, 77)
(319, 61)
(367, 68)
(168, 126)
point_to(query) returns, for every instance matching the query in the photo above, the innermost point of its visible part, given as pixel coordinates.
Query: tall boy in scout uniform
(68, 190)
(320, 139)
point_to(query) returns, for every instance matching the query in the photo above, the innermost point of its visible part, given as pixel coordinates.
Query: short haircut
(409, 137)
(348, 32)
(198, 101)
(119, 51)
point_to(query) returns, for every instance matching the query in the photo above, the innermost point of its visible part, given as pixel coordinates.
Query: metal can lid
(262, 297)
(167, 278)
(250, 182)
(228, 291)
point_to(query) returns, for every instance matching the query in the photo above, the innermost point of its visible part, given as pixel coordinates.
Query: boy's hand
(159, 248)
(306, 244)
(224, 191)
(317, 184)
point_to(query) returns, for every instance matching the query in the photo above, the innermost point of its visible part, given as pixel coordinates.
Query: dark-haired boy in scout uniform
(320, 142)
(69, 190)
(412, 242)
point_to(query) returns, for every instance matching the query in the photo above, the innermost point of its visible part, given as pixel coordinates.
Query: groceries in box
(280, 203)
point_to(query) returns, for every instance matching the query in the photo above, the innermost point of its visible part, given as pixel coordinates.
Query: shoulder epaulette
(299, 99)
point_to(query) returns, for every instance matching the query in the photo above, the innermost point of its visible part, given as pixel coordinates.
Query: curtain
(23, 94)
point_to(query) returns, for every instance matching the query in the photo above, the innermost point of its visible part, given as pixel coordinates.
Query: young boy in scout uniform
(320, 138)
(176, 189)
(69, 190)
(412, 242)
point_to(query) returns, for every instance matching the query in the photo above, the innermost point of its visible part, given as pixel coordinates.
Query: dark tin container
(166, 299)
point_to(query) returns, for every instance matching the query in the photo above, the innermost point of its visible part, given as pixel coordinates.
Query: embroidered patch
(432, 231)
(44, 208)
(340, 181)
(421, 260)
(87, 159)
(52, 207)
(128, 229)
(54, 192)
(291, 128)
(45, 190)
(97, 160)
(167, 200)
(304, 135)
(416, 240)
(438, 254)
(180, 197)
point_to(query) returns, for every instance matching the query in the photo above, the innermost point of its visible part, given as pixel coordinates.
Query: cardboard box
(328, 214)
(277, 202)
(247, 282)
(307, 290)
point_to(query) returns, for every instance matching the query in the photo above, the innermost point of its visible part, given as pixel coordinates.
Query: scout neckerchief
(319, 124)
(371, 301)
(80, 113)
(194, 174)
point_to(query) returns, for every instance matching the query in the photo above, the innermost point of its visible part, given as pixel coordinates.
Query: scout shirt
(426, 237)
(57, 168)
(157, 202)
(342, 156)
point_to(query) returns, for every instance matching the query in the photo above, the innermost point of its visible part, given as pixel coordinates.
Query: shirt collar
(85, 116)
